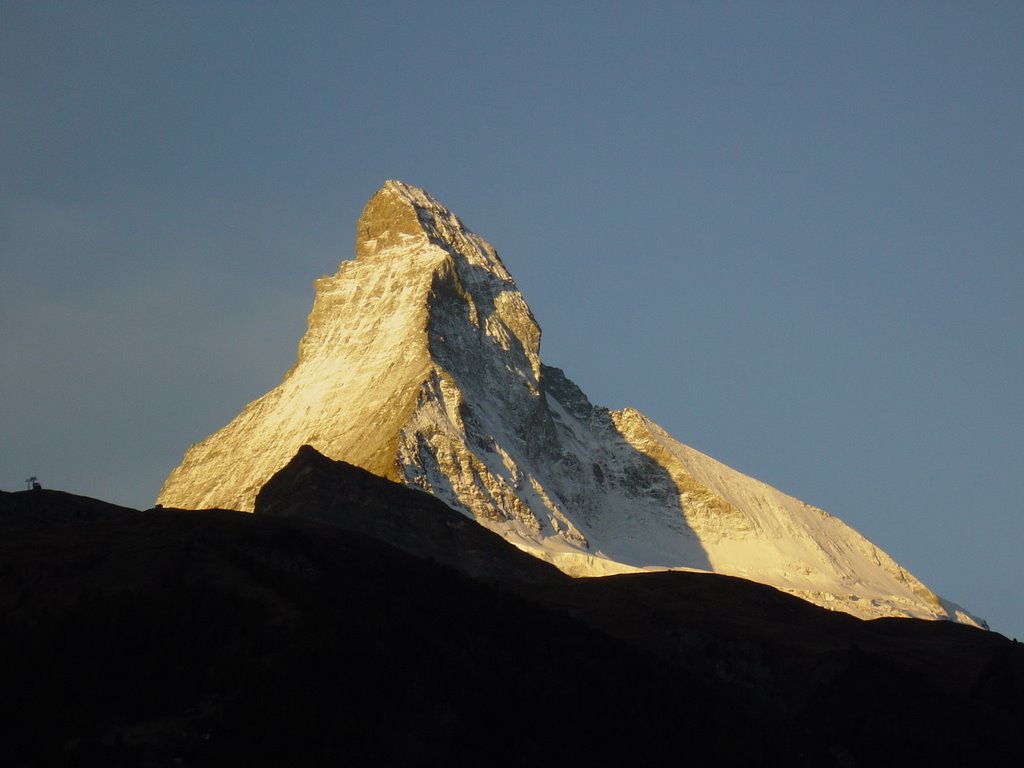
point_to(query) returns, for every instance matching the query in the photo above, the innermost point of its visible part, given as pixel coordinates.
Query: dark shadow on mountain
(212, 638)
(169, 637)
(640, 476)
(317, 488)
(460, 346)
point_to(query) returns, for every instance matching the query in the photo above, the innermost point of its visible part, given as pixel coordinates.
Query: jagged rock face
(421, 363)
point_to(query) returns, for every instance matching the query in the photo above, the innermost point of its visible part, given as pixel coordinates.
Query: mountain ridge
(421, 363)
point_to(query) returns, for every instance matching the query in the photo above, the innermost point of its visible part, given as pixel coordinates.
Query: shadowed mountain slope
(312, 486)
(168, 637)
(165, 638)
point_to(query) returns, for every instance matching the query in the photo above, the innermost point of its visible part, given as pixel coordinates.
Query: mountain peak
(421, 363)
(399, 215)
(391, 218)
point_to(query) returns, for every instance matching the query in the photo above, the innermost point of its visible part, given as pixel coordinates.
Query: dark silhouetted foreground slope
(339, 624)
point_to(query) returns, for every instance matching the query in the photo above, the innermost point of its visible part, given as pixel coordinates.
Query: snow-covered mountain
(421, 363)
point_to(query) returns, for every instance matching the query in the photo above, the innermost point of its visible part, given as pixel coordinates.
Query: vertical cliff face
(421, 363)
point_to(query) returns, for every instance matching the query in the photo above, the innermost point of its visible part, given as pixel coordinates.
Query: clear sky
(790, 233)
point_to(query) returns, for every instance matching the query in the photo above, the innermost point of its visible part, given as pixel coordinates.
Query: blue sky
(790, 233)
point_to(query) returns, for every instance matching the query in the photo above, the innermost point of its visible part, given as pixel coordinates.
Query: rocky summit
(421, 363)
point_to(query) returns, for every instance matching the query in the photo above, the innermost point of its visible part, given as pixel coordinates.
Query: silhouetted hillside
(148, 638)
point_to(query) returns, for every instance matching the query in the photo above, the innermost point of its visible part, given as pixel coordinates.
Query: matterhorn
(421, 363)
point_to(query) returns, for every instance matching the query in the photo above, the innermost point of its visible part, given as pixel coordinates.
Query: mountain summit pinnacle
(421, 363)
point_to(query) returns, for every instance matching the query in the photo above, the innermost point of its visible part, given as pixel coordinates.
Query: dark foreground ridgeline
(353, 621)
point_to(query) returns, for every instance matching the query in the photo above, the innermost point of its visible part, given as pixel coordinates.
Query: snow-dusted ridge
(421, 363)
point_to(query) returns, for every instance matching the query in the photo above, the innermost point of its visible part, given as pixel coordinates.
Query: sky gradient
(792, 234)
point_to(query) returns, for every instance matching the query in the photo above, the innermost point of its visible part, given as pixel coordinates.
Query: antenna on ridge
(33, 483)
